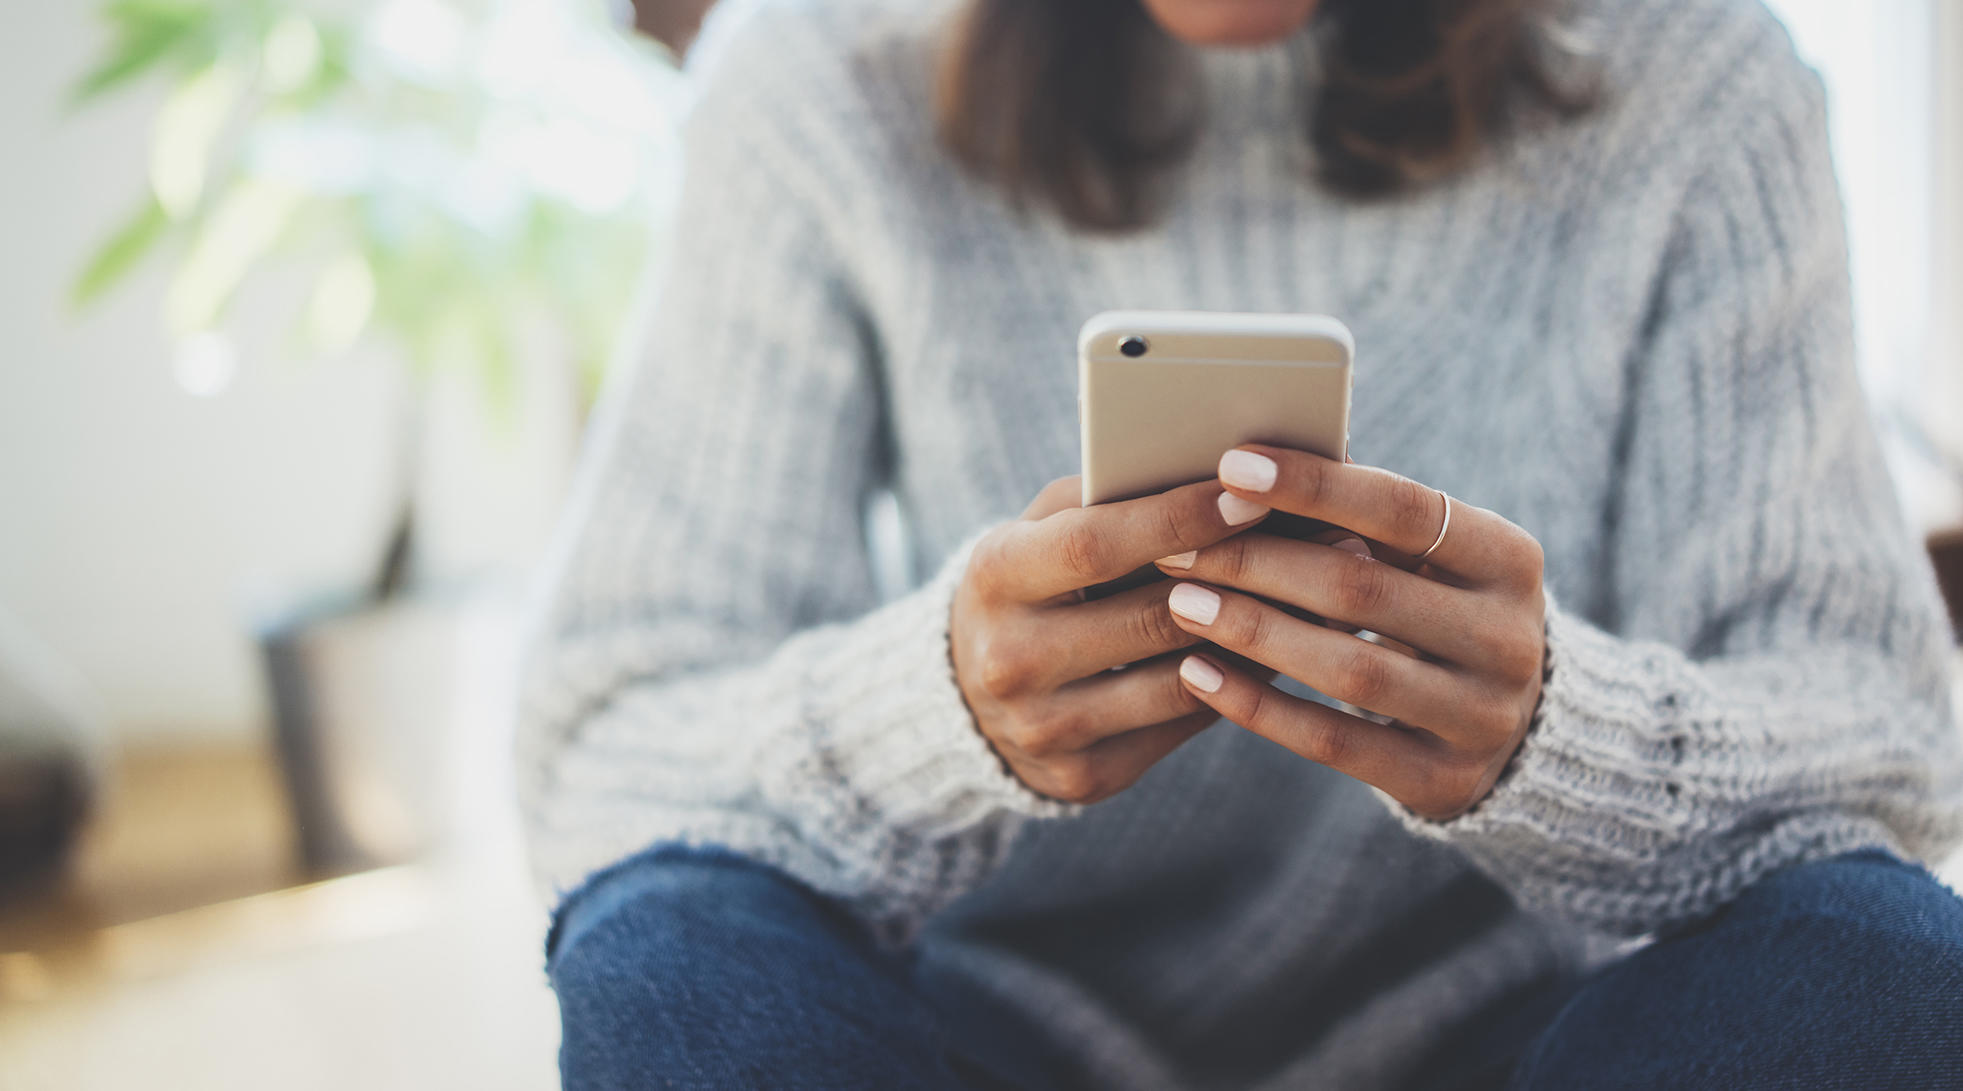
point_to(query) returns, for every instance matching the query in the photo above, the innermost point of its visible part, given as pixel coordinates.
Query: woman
(1675, 669)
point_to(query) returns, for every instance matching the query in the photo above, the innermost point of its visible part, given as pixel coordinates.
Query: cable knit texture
(1629, 333)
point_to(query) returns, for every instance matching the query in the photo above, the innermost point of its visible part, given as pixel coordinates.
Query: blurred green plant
(461, 177)
(474, 180)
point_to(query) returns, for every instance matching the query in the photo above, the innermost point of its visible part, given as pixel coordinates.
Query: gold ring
(1447, 525)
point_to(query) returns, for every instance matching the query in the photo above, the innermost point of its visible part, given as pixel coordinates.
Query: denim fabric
(684, 968)
(1847, 973)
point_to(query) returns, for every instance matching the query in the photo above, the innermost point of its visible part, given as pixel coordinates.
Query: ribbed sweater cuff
(883, 714)
(1634, 800)
(1596, 772)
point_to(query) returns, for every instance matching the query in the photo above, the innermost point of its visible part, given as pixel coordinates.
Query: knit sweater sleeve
(1766, 682)
(710, 664)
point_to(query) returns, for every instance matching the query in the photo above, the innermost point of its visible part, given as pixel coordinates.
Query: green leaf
(150, 33)
(117, 256)
(186, 133)
(245, 224)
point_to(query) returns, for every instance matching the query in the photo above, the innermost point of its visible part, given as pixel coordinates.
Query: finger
(1237, 661)
(1083, 714)
(1080, 547)
(1116, 763)
(1349, 543)
(1342, 586)
(1356, 671)
(1064, 492)
(1082, 641)
(1394, 759)
(1384, 507)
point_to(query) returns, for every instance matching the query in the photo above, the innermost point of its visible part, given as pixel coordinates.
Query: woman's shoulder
(1682, 78)
(831, 94)
(805, 61)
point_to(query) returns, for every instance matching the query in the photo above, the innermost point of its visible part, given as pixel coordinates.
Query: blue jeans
(692, 969)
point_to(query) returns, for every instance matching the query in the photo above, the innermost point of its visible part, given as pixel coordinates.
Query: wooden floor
(178, 828)
(187, 949)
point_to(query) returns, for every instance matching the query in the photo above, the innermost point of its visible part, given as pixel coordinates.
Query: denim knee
(704, 969)
(1861, 905)
(675, 889)
(1844, 973)
(1879, 942)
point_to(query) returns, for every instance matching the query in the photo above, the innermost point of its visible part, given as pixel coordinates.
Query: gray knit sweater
(1628, 333)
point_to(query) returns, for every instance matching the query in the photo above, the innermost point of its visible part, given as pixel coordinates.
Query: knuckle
(1180, 526)
(1413, 509)
(1083, 552)
(1258, 709)
(1271, 711)
(1060, 730)
(1039, 733)
(1077, 780)
(1363, 676)
(1363, 588)
(985, 564)
(1177, 699)
(1524, 564)
(1533, 558)
(993, 564)
(1022, 735)
(1517, 656)
(1326, 743)
(1003, 671)
(1152, 627)
(1447, 787)
(1231, 560)
(1314, 483)
(1248, 628)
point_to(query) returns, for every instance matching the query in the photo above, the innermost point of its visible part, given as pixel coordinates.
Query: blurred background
(307, 300)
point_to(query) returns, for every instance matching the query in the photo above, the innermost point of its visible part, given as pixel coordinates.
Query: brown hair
(1081, 104)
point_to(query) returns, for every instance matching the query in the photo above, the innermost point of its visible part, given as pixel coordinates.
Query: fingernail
(1353, 545)
(1204, 676)
(1237, 511)
(1194, 603)
(1247, 470)
(1180, 560)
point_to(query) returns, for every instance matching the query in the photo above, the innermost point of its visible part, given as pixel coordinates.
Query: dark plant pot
(365, 705)
(51, 761)
(44, 798)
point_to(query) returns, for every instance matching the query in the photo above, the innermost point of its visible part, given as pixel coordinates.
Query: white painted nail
(1180, 560)
(1247, 470)
(1237, 511)
(1194, 603)
(1204, 676)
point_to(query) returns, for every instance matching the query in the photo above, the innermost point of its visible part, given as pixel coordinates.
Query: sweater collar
(1263, 88)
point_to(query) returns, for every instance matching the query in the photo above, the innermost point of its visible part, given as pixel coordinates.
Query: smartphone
(1163, 394)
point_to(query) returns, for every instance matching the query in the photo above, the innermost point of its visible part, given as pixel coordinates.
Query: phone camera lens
(1133, 346)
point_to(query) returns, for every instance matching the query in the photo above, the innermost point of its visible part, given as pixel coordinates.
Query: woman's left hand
(1472, 613)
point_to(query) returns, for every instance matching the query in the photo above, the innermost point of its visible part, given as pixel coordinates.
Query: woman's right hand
(1034, 659)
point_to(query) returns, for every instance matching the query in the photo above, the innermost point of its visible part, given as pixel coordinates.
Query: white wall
(1947, 384)
(142, 528)
(1888, 68)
